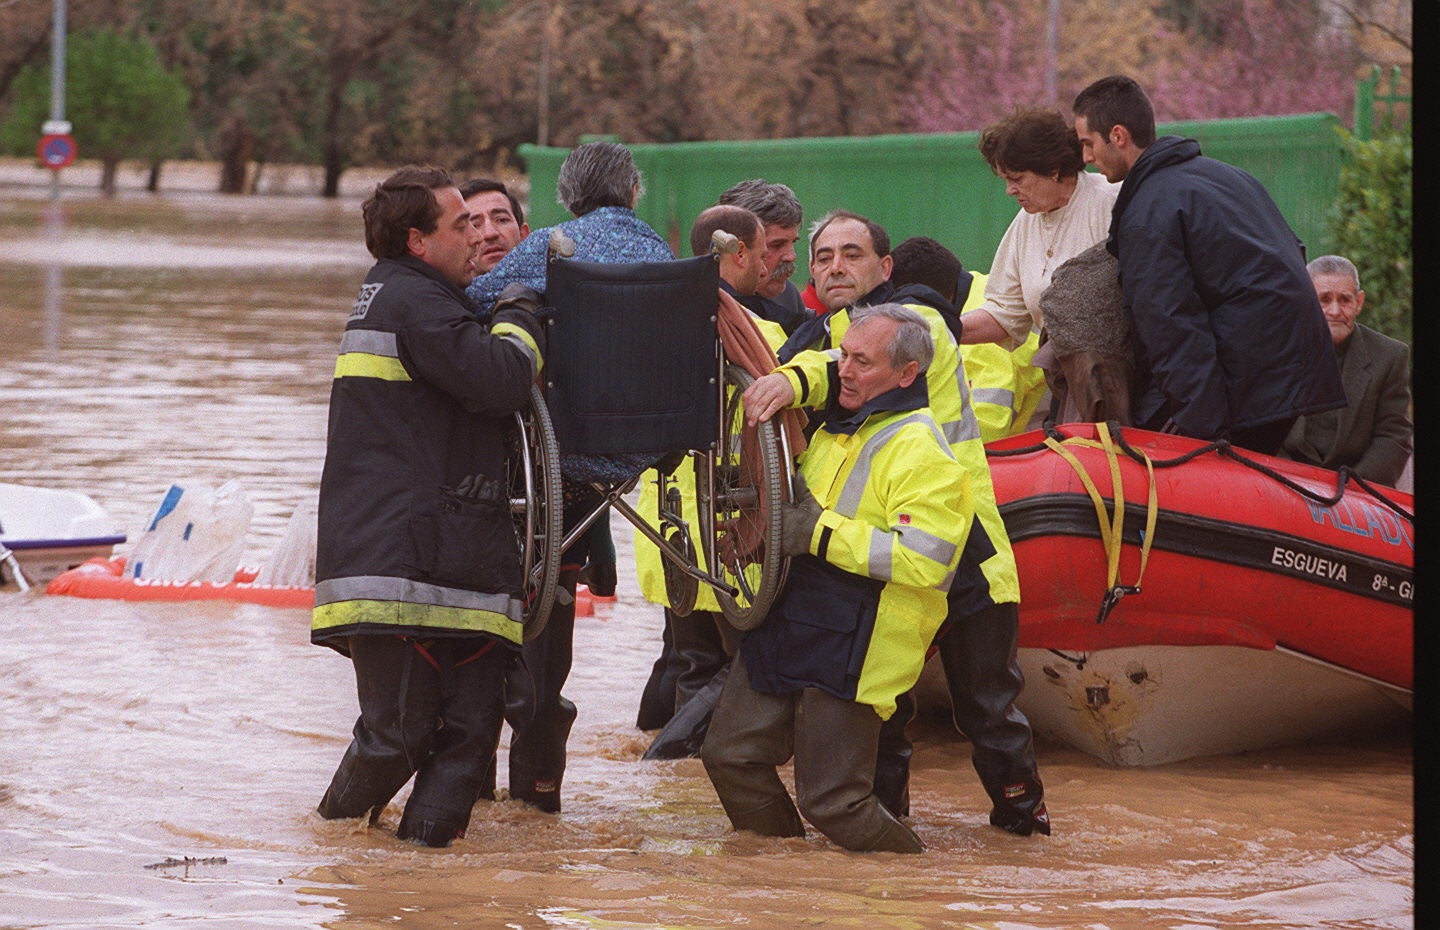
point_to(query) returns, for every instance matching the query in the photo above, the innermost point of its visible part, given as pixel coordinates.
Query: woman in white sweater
(1063, 211)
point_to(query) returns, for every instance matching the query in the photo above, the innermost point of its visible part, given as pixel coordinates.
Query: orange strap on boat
(1112, 525)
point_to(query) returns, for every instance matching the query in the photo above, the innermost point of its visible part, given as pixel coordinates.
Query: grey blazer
(1373, 433)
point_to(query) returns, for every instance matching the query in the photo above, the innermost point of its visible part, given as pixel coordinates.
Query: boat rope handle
(1223, 448)
(1112, 524)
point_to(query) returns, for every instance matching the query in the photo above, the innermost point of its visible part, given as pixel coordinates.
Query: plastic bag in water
(196, 534)
(293, 561)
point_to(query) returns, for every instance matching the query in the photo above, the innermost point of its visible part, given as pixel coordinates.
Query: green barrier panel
(938, 185)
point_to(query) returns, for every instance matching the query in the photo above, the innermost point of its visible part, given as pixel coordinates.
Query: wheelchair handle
(724, 243)
(561, 245)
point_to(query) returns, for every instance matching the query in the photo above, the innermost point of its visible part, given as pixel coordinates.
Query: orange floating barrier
(105, 578)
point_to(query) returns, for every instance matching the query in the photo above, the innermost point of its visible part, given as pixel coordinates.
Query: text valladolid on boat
(1236, 601)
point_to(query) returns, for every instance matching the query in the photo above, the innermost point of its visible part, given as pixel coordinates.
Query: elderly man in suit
(1373, 434)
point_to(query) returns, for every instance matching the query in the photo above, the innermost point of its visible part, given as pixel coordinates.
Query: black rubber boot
(537, 759)
(683, 736)
(540, 716)
(428, 832)
(356, 792)
(978, 653)
(451, 778)
(399, 712)
(700, 649)
(657, 699)
(892, 759)
(1021, 809)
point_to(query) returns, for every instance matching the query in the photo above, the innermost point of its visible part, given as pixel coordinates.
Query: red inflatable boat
(1235, 601)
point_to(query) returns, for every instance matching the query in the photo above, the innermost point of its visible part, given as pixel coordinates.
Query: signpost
(57, 146)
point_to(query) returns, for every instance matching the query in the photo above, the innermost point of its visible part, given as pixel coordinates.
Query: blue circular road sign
(56, 151)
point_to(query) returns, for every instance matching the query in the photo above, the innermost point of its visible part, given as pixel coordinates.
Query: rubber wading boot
(701, 650)
(355, 792)
(683, 736)
(778, 818)
(428, 832)
(1022, 811)
(657, 699)
(896, 837)
(892, 758)
(538, 784)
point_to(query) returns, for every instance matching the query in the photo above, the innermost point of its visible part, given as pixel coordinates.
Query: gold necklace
(1052, 239)
(1060, 224)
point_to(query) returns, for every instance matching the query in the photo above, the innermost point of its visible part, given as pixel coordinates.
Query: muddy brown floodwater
(160, 763)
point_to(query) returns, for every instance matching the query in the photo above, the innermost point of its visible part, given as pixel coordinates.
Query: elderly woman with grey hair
(599, 184)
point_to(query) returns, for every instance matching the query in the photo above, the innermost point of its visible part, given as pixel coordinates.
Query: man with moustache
(777, 298)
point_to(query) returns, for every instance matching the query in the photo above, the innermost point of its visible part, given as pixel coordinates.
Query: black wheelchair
(636, 378)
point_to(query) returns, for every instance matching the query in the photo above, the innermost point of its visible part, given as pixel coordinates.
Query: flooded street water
(160, 763)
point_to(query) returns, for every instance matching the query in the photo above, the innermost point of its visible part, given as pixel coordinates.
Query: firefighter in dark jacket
(417, 565)
(1214, 283)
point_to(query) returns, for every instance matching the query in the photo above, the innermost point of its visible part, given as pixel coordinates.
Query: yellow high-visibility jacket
(860, 610)
(1004, 387)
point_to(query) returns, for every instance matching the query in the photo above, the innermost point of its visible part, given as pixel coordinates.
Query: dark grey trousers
(833, 744)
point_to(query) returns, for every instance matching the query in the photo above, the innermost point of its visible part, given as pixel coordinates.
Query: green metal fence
(1395, 105)
(938, 185)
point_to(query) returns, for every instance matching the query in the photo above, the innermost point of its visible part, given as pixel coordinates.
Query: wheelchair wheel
(751, 479)
(680, 589)
(537, 507)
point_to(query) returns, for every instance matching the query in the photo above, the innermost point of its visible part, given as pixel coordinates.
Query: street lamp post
(57, 128)
(1052, 52)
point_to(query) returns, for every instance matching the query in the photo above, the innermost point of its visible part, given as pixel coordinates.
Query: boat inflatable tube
(1212, 546)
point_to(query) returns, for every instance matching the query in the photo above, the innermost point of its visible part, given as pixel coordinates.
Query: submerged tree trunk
(109, 168)
(333, 155)
(237, 145)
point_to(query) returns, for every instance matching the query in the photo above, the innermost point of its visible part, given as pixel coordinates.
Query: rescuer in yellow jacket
(851, 264)
(881, 514)
(418, 575)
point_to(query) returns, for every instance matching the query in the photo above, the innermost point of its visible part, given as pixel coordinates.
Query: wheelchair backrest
(632, 355)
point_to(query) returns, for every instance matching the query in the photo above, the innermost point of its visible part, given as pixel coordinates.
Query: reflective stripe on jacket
(1004, 387)
(897, 510)
(421, 395)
